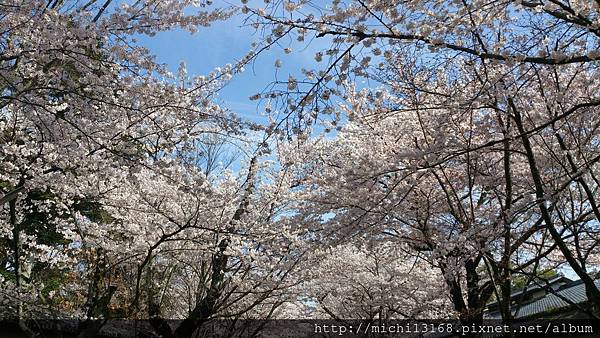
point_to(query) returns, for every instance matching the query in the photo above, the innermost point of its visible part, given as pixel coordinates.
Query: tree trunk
(591, 290)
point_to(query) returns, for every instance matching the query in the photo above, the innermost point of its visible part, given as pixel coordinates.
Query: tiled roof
(574, 293)
(535, 287)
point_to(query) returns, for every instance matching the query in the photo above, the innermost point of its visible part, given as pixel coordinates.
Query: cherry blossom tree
(487, 85)
(103, 213)
(432, 151)
(378, 283)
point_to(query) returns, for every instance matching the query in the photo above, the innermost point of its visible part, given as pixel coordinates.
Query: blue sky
(226, 42)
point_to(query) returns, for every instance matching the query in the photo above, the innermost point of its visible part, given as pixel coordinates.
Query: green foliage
(93, 210)
(53, 279)
(520, 281)
(40, 222)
